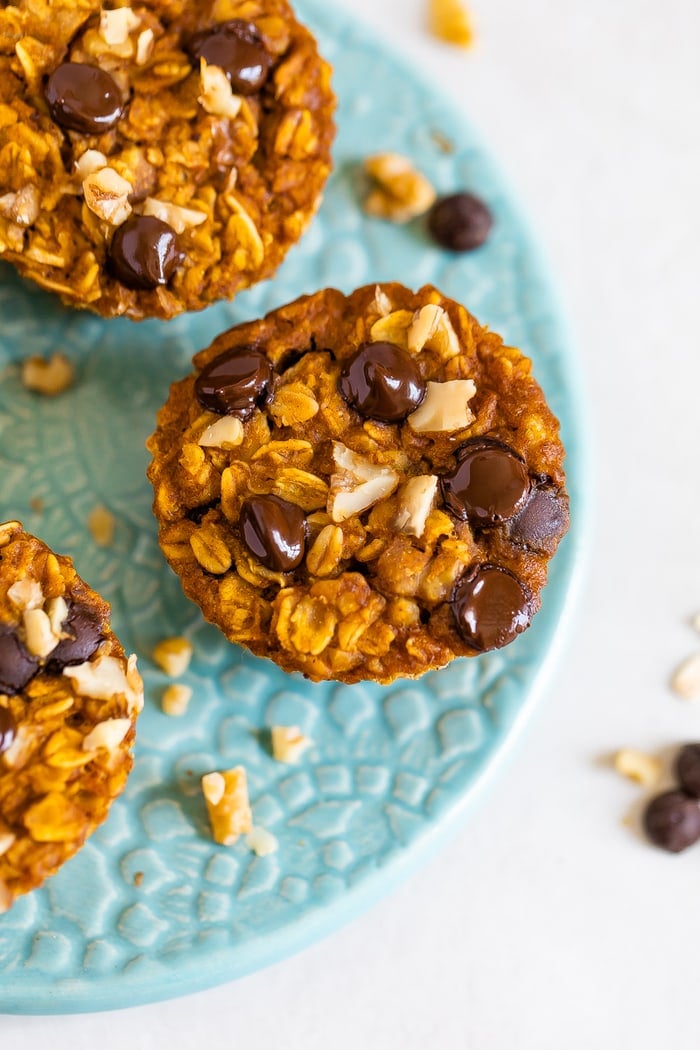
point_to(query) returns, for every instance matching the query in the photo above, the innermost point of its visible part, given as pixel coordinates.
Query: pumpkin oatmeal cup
(361, 487)
(69, 698)
(160, 156)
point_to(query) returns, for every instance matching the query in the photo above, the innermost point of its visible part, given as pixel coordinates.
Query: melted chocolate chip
(460, 222)
(491, 607)
(488, 486)
(7, 729)
(144, 252)
(236, 382)
(541, 522)
(688, 769)
(274, 530)
(17, 666)
(672, 821)
(237, 48)
(383, 382)
(84, 633)
(83, 98)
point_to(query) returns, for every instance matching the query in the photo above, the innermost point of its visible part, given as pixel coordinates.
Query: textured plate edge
(321, 921)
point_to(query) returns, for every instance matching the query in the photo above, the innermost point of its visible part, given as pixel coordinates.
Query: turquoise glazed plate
(151, 907)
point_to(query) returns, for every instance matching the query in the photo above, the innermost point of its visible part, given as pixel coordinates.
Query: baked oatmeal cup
(158, 157)
(361, 487)
(69, 698)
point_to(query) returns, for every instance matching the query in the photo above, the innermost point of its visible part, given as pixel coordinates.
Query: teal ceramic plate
(392, 767)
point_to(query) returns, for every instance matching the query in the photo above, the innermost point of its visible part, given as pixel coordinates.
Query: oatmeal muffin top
(158, 157)
(69, 698)
(361, 487)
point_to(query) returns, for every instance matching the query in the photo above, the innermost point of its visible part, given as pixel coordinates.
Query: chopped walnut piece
(57, 612)
(638, 766)
(226, 432)
(449, 20)
(175, 215)
(144, 46)
(39, 637)
(289, 744)
(416, 498)
(48, 377)
(445, 407)
(107, 195)
(173, 655)
(261, 841)
(217, 94)
(117, 24)
(686, 679)
(226, 796)
(101, 524)
(401, 193)
(176, 699)
(431, 329)
(26, 593)
(88, 163)
(21, 207)
(108, 734)
(357, 483)
(104, 678)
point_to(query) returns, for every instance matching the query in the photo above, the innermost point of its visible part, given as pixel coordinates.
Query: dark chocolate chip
(7, 729)
(460, 222)
(274, 530)
(688, 769)
(490, 607)
(542, 521)
(84, 98)
(237, 48)
(144, 252)
(382, 381)
(488, 486)
(672, 821)
(17, 666)
(236, 382)
(84, 633)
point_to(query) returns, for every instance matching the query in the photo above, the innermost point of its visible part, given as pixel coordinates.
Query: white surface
(545, 924)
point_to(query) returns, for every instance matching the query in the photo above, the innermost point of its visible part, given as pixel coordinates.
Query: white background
(546, 923)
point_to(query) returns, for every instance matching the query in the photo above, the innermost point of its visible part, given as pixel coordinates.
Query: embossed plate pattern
(391, 768)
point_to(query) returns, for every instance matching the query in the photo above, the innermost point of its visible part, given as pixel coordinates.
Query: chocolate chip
(17, 666)
(382, 381)
(460, 222)
(490, 607)
(236, 382)
(144, 252)
(672, 821)
(688, 769)
(237, 48)
(84, 98)
(84, 633)
(274, 530)
(542, 521)
(7, 729)
(488, 486)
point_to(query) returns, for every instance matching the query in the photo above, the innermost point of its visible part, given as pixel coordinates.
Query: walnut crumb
(449, 20)
(175, 700)
(49, 377)
(636, 765)
(173, 656)
(101, 524)
(226, 796)
(289, 744)
(399, 192)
